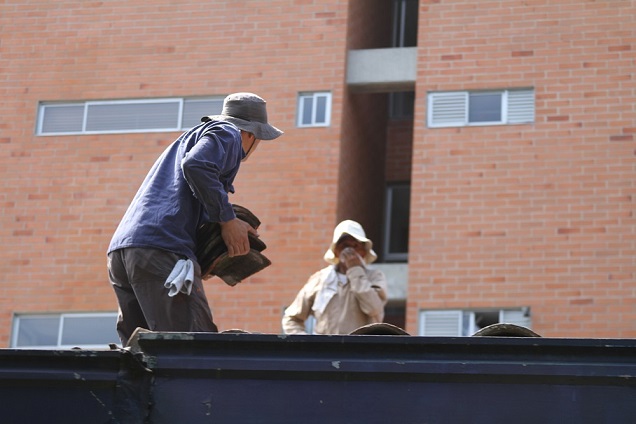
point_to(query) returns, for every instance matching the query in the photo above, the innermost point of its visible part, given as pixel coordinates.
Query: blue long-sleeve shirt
(188, 185)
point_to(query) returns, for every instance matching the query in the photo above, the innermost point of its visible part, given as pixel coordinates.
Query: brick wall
(64, 196)
(535, 215)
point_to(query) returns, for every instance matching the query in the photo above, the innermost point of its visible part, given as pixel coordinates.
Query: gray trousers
(138, 275)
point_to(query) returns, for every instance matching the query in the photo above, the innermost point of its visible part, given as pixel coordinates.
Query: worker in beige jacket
(346, 294)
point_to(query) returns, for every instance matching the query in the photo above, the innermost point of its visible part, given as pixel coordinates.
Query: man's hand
(234, 233)
(350, 258)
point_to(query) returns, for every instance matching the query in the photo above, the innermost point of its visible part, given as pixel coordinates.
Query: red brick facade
(538, 215)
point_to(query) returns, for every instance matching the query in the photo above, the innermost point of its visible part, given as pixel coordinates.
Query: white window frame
(86, 105)
(451, 108)
(111, 316)
(462, 322)
(312, 98)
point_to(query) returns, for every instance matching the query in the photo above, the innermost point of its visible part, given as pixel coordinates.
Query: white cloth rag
(181, 278)
(330, 279)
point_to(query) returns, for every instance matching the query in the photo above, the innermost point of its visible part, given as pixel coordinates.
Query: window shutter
(520, 106)
(447, 109)
(514, 316)
(59, 119)
(441, 323)
(194, 110)
(133, 116)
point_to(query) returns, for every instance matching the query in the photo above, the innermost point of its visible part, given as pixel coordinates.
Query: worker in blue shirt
(152, 264)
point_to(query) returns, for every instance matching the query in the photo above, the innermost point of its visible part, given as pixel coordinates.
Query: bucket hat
(356, 231)
(249, 113)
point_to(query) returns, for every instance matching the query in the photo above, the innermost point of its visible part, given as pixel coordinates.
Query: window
(125, 116)
(456, 323)
(314, 109)
(55, 331)
(464, 108)
(405, 23)
(401, 104)
(396, 226)
(195, 109)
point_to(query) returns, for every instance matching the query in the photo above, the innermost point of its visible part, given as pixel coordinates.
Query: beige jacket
(339, 305)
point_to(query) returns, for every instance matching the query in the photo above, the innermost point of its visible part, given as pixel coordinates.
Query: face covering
(251, 149)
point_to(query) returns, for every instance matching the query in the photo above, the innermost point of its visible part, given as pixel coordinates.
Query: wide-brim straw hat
(356, 231)
(249, 113)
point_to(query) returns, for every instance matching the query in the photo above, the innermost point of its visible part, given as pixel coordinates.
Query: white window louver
(60, 119)
(195, 109)
(133, 116)
(448, 109)
(441, 323)
(520, 106)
